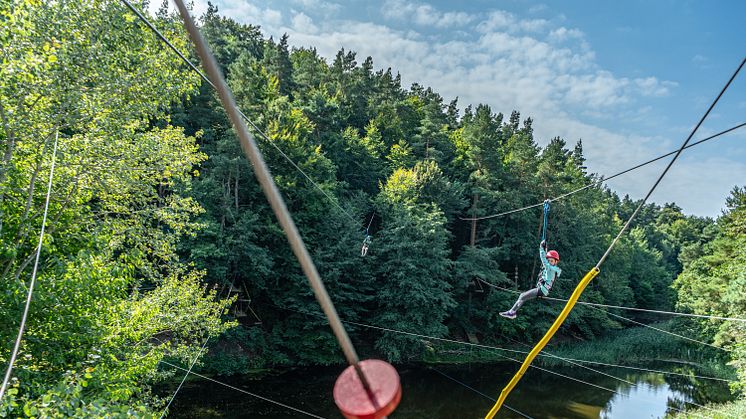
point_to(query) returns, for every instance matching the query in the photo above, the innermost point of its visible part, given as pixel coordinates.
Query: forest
(159, 244)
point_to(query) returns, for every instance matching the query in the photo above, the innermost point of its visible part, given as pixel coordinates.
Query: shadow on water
(428, 394)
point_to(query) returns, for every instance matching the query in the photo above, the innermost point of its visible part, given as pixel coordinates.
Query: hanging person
(548, 275)
(367, 240)
(366, 244)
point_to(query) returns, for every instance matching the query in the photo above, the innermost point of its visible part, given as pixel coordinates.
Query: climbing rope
(602, 180)
(242, 390)
(595, 271)
(245, 118)
(30, 293)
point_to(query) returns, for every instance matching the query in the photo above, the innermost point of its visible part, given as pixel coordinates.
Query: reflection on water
(642, 401)
(427, 394)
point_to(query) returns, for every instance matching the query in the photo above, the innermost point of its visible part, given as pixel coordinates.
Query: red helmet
(553, 254)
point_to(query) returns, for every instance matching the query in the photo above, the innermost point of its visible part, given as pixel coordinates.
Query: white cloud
(302, 23)
(499, 20)
(423, 14)
(651, 86)
(326, 7)
(538, 8)
(563, 34)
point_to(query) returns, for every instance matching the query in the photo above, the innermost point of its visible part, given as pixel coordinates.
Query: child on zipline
(550, 272)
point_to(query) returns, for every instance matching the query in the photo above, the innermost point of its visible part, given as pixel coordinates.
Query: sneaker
(508, 314)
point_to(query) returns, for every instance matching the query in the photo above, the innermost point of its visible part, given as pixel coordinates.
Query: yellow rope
(543, 342)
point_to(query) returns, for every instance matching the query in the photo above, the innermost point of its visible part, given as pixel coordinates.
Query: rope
(367, 229)
(191, 365)
(245, 118)
(243, 391)
(625, 318)
(546, 221)
(589, 383)
(479, 392)
(644, 310)
(17, 346)
(602, 180)
(273, 196)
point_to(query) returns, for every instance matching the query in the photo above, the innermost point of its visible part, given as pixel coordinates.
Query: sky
(630, 79)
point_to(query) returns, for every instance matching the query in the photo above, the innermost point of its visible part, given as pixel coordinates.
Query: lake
(431, 392)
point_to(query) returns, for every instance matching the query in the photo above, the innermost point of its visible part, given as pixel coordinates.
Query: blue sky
(630, 79)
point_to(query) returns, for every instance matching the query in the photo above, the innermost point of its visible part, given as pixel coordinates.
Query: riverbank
(636, 347)
(735, 409)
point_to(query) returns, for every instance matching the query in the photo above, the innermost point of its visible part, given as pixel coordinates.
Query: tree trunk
(474, 222)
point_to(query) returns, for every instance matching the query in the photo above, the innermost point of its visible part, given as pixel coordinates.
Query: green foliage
(112, 297)
(713, 284)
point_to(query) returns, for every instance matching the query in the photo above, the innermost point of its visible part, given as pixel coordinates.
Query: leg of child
(528, 295)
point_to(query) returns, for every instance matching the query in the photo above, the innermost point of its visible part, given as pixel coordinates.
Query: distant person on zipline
(550, 272)
(366, 243)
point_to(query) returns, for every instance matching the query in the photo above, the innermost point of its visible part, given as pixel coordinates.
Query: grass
(735, 409)
(631, 347)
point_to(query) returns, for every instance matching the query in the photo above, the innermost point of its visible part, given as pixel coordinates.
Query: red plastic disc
(353, 400)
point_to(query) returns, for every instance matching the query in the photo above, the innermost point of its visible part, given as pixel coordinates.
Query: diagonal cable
(17, 346)
(242, 390)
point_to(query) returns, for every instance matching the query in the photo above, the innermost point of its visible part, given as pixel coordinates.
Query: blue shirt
(549, 274)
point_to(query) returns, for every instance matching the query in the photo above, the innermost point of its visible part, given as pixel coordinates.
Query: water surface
(429, 394)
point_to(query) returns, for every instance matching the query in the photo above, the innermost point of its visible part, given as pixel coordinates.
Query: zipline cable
(577, 364)
(644, 310)
(479, 392)
(183, 379)
(17, 346)
(602, 180)
(623, 318)
(595, 271)
(256, 129)
(663, 331)
(274, 197)
(481, 346)
(629, 320)
(243, 391)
